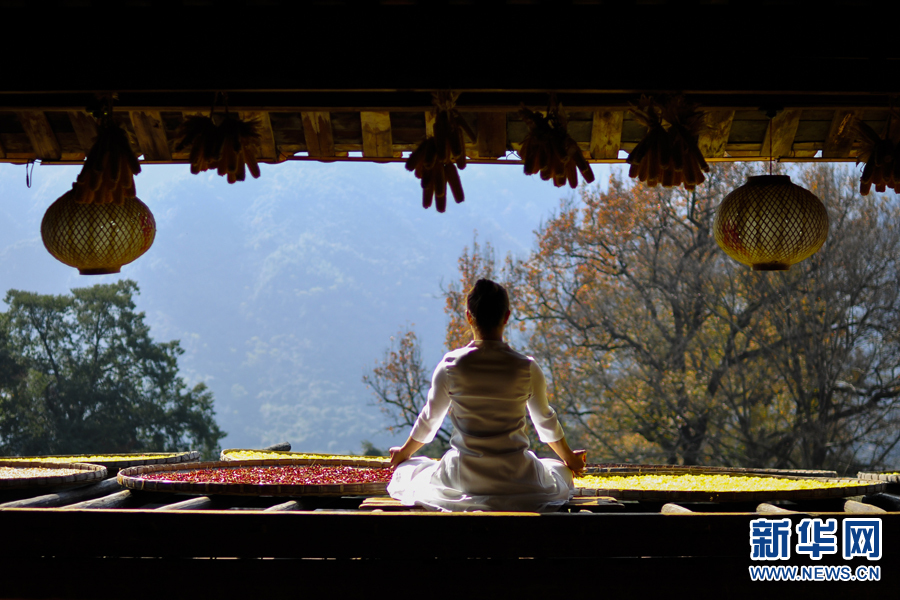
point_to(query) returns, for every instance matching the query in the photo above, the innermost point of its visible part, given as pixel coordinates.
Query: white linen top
(487, 387)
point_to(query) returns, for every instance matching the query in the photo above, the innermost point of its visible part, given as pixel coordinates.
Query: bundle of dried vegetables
(881, 157)
(108, 172)
(436, 159)
(230, 147)
(548, 148)
(668, 154)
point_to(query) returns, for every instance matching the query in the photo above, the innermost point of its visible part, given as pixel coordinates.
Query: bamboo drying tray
(891, 479)
(87, 473)
(229, 455)
(860, 487)
(619, 468)
(886, 476)
(117, 462)
(133, 478)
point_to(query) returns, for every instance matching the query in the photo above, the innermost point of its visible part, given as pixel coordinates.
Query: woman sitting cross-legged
(487, 388)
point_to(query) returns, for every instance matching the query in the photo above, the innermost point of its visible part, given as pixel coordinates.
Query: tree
(664, 350)
(400, 381)
(87, 377)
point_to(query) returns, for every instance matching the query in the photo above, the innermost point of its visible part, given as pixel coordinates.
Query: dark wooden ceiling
(330, 79)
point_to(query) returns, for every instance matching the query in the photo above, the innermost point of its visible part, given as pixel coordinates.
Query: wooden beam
(840, 138)
(151, 135)
(85, 128)
(491, 142)
(715, 132)
(116, 500)
(267, 149)
(860, 508)
(606, 133)
(284, 506)
(770, 509)
(670, 508)
(376, 134)
(317, 130)
(40, 134)
(377, 535)
(105, 487)
(779, 138)
(198, 503)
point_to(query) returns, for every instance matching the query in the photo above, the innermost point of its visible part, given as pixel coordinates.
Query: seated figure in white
(488, 388)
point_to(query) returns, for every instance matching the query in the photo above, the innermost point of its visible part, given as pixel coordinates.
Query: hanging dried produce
(881, 157)
(230, 147)
(668, 154)
(436, 159)
(548, 149)
(109, 170)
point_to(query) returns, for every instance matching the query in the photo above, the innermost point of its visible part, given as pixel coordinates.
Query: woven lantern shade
(97, 239)
(770, 223)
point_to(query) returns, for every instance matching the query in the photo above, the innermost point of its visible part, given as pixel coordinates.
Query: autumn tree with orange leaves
(400, 381)
(661, 349)
(658, 348)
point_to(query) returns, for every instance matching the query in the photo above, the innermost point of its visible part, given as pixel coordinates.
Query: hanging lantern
(97, 239)
(770, 223)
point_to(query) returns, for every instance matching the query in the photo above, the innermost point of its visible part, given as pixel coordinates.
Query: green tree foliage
(80, 373)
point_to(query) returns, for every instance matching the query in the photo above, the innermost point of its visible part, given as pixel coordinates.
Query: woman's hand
(397, 456)
(402, 454)
(574, 459)
(579, 462)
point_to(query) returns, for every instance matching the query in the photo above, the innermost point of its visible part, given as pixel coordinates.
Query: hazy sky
(285, 290)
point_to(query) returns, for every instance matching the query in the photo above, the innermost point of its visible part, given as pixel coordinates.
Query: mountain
(285, 290)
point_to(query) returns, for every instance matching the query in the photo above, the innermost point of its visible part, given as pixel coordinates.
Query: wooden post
(376, 134)
(85, 129)
(289, 505)
(889, 502)
(267, 149)
(40, 134)
(780, 135)
(116, 500)
(317, 130)
(491, 142)
(606, 133)
(105, 487)
(840, 138)
(198, 503)
(671, 508)
(852, 506)
(770, 509)
(714, 135)
(151, 135)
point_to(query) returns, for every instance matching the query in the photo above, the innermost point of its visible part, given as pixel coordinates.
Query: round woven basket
(133, 478)
(87, 473)
(617, 468)
(892, 477)
(859, 487)
(770, 223)
(229, 455)
(116, 462)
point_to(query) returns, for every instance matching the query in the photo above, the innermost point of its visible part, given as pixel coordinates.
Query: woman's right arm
(401, 454)
(429, 419)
